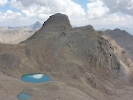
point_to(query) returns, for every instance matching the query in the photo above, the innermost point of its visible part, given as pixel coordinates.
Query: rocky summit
(54, 24)
(82, 64)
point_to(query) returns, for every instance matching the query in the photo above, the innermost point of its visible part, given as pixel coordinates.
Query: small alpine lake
(23, 96)
(35, 78)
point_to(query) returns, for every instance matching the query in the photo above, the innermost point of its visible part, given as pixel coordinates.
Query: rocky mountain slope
(10, 35)
(123, 39)
(83, 64)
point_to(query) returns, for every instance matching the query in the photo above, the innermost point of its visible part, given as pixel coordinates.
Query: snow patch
(37, 76)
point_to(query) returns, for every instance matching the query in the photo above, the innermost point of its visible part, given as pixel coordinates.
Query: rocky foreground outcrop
(83, 64)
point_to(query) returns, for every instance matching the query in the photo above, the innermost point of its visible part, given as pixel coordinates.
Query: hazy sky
(99, 13)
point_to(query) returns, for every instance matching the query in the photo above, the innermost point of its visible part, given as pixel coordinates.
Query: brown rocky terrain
(14, 36)
(83, 64)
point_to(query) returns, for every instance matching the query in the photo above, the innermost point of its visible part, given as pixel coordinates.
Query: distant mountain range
(32, 27)
(13, 35)
(129, 30)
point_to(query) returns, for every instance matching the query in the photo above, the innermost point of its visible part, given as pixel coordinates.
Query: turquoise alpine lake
(23, 96)
(35, 78)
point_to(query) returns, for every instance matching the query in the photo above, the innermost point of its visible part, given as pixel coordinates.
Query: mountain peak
(119, 31)
(58, 22)
(55, 23)
(36, 25)
(37, 22)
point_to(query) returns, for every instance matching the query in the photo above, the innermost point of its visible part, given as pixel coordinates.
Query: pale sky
(98, 13)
